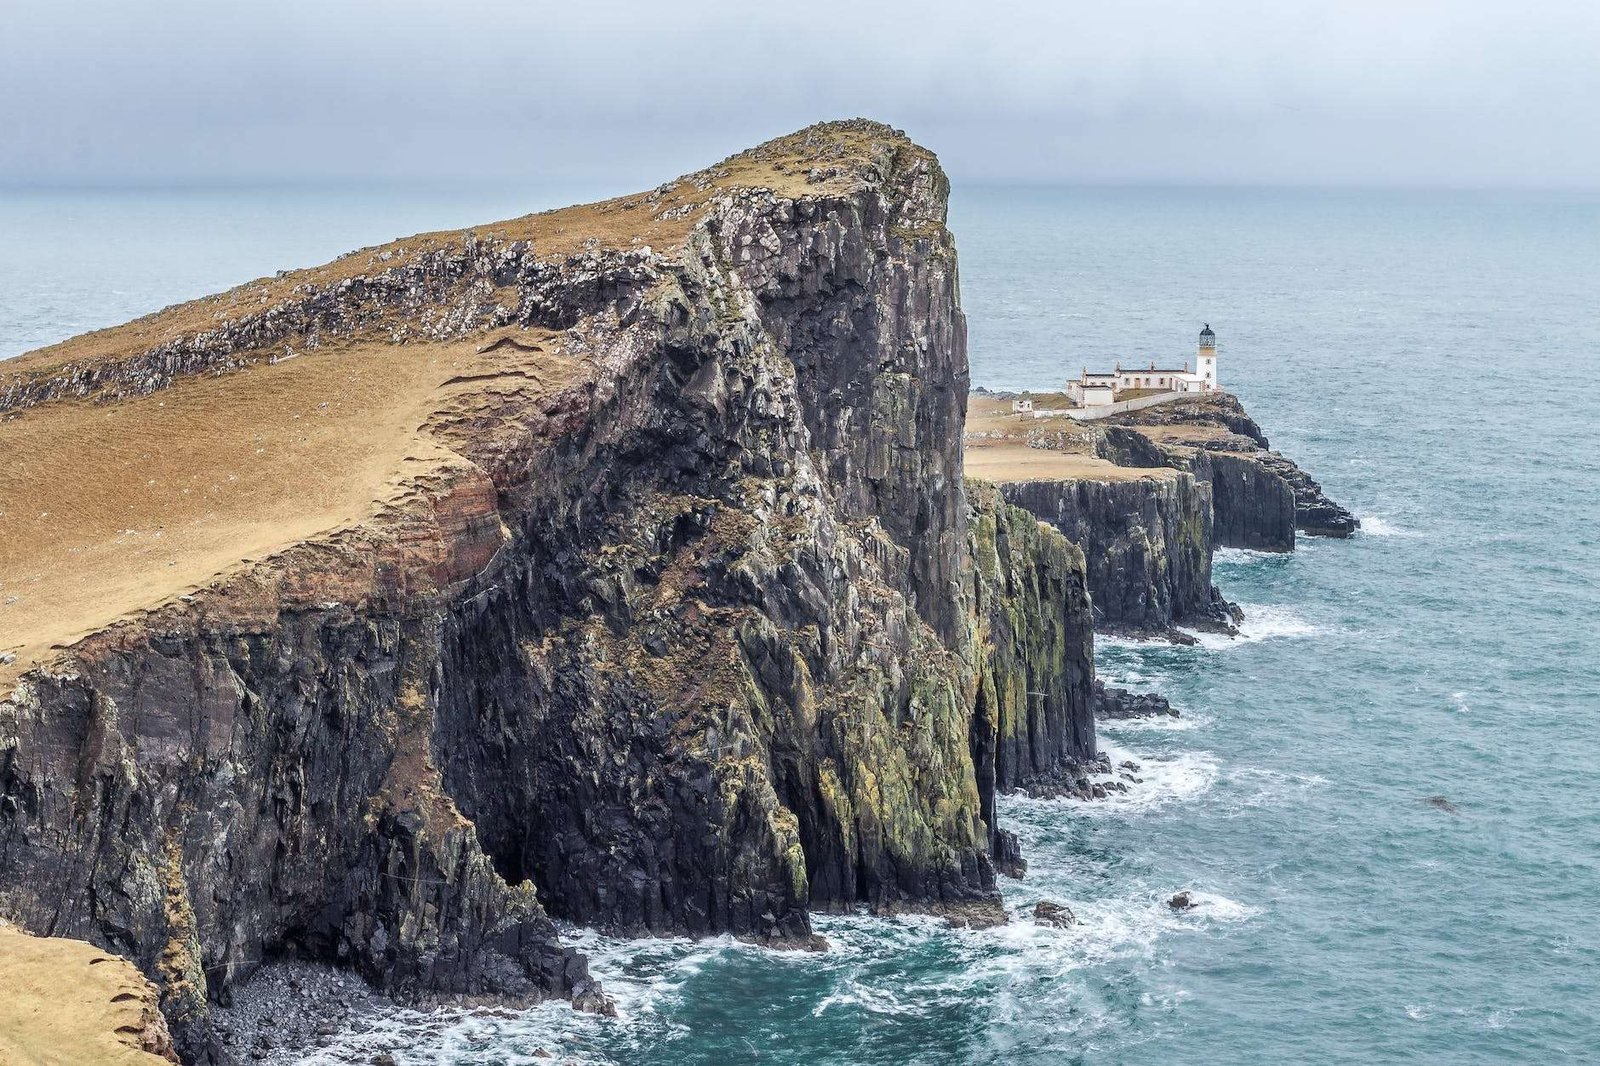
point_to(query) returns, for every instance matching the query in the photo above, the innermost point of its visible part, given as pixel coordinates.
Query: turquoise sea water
(1434, 359)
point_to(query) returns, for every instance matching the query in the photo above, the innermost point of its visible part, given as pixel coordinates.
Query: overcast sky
(1433, 92)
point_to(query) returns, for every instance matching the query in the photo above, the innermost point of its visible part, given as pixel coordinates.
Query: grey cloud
(1403, 91)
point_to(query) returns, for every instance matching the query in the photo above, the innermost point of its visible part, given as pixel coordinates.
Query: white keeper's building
(1097, 390)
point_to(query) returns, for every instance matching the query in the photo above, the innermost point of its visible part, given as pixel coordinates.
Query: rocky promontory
(1149, 496)
(617, 564)
(1261, 496)
(613, 564)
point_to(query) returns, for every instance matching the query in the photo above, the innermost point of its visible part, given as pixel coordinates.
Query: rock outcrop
(1147, 543)
(693, 628)
(1260, 496)
(1111, 702)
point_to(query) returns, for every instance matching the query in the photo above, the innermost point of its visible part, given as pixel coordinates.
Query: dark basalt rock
(1183, 901)
(1147, 545)
(1314, 513)
(1053, 914)
(1089, 779)
(1033, 712)
(1260, 497)
(1119, 703)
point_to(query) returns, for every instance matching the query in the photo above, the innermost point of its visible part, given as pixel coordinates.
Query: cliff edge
(67, 1003)
(1148, 496)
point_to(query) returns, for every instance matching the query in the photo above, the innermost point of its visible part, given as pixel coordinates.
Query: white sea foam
(1258, 787)
(1220, 908)
(1114, 640)
(450, 1035)
(1163, 779)
(1124, 675)
(867, 975)
(1373, 525)
(1261, 622)
(1158, 723)
(854, 993)
(1459, 699)
(1240, 556)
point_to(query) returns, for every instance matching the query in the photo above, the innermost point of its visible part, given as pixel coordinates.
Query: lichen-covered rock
(1033, 714)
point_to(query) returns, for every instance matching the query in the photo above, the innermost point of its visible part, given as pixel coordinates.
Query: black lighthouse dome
(1207, 338)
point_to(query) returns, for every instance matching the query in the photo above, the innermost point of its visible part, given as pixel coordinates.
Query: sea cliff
(1149, 496)
(672, 614)
(615, 565)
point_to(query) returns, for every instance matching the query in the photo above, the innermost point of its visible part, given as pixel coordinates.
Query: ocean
(1383, 794)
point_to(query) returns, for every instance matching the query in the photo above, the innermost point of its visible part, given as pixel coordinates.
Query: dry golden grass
(997, 446)
(67, 1003)
(110, 508)
(988, 415)
(1013, 462)
(1186, 434)
(107, 509)
(660, 219)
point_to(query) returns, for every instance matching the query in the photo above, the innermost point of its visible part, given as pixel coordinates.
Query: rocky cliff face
(1147, 544)
(697, 635)
(1033, 717)
(1260, 496)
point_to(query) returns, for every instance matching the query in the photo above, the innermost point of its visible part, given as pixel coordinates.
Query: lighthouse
(1206, 362)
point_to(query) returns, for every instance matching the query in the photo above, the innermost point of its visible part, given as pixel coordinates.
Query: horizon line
(307, 183)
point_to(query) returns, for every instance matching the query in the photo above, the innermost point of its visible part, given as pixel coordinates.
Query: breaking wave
(1377, 526)
(1261, 622)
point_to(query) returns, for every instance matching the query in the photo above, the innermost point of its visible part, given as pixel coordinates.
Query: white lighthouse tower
(1206, 362)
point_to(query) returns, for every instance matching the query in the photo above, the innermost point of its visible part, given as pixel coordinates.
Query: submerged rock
(1181, 902)
(1056, 915)
(1119, 703)
(1442, 803)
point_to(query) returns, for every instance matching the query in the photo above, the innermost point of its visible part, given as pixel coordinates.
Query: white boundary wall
(1094, 414)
